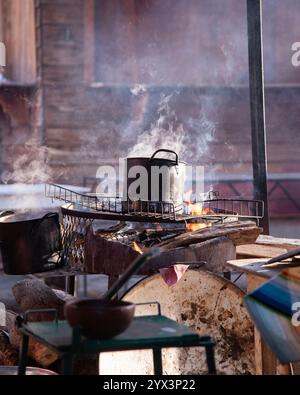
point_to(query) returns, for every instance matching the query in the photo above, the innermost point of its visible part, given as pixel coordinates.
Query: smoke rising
(30, 167)
(166, 132)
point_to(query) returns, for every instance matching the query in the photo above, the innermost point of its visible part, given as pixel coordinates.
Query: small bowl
(98, 318)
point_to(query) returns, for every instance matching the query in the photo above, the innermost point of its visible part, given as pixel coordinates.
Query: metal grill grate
(103, 207)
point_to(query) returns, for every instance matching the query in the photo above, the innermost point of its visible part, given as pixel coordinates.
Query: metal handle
(20, 320)
(5, 213)
(46, 216)
(35, 228)
(39, 311)
(279, 258)
(165, 150)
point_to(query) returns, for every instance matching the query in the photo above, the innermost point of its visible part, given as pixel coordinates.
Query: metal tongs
(282, 257)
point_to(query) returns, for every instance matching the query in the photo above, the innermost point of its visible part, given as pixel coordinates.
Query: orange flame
(196, 209)
(194, 227)
(137, 247)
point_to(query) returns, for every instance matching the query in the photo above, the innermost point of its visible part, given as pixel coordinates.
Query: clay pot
(98, 318)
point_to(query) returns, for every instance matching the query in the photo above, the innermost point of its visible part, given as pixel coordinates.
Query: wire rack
(115, 207)
(104, 207)
(81, 210)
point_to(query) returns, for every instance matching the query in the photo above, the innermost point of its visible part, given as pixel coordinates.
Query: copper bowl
(99, 318)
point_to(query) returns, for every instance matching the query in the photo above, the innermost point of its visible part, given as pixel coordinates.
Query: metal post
(23, 356)
(157, 361)
(257, 106)
(67, 361)
(210, 359)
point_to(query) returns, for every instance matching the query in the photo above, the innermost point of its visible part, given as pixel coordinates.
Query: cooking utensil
(105, 318)
(99, 319)
(28, 241)
(168, 186)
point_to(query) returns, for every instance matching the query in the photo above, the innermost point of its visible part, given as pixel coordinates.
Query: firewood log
(41, 354)
(237, 233)
(35, 294)
(8, 354)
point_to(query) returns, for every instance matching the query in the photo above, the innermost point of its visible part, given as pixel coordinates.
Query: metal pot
(30, 371)
(90, 314)
(30, 242)
(155, 179)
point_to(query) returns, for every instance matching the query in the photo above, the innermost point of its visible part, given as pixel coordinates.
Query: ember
(194, 227)
(196, 208)
(137, 247)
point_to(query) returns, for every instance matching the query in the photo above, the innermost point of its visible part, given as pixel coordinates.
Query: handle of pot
(5, 213)
(166, 150)
(48, 215)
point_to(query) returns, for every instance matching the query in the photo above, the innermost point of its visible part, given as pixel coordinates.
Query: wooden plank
(265, 361)
(72, 97)
(62, 2)
(78, 158)
(258, 251)
(65, 138)
(253, 266)
(1, 21)
(289, 244)
(62, 75)
(63, 56)
(19, 29)
(63, 35)
(89, 41)
(62, 13)
(60, 116)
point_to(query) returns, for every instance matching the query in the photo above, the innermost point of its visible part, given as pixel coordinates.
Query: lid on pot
(171, 159)
(21, 215)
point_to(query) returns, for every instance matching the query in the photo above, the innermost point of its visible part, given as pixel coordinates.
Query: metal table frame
(145, 332)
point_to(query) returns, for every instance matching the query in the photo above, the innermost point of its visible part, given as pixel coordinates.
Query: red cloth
(173, 274)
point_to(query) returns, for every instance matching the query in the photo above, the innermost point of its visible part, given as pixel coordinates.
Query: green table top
(144, 332)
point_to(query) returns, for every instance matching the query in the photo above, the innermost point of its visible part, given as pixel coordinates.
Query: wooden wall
(88, 124)
(18, 26)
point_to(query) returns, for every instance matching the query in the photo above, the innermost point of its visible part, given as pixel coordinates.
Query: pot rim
(33, 216)
(154, 159)
(111, 304)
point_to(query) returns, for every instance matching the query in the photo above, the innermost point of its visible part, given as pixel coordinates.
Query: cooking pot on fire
(30, 241)
(156, 179)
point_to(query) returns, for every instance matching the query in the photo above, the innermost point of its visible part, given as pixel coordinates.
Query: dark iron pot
(30, 242)
(169, 189)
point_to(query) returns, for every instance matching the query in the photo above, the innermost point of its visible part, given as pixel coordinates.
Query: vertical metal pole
(23, 355)
(257, 105)
(157, 361)
(210, 358)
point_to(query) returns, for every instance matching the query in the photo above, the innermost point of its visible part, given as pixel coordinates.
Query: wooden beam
(20, 40)
(89, 41)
